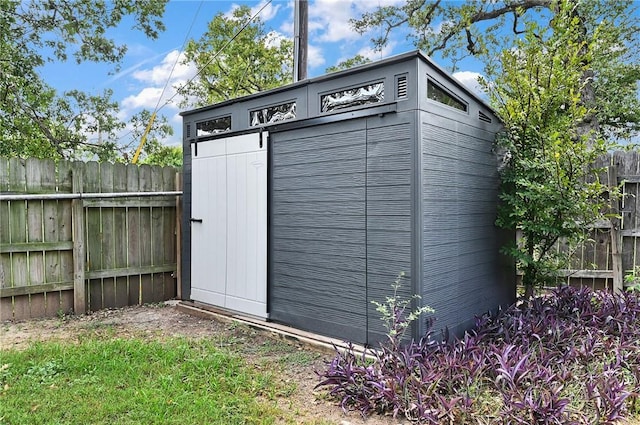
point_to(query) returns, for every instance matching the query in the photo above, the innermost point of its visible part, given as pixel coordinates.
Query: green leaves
(551, 189)
(256, 60)
(35, 121)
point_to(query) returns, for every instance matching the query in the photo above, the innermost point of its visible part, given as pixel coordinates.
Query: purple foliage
(569, 357)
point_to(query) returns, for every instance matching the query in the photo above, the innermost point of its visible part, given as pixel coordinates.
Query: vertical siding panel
(318, 222)
(390, 149)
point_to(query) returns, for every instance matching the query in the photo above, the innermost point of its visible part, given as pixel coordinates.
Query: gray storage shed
(303, 203)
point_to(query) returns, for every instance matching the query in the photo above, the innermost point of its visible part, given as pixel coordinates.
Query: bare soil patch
(296, 365)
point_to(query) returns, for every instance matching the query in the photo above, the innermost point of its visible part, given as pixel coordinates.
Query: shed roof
(373, 65)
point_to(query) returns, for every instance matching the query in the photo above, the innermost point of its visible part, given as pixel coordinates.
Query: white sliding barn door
(229, 223)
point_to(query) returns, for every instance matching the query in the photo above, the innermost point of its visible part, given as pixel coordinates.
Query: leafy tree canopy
(34, 119)
(256, 60)
(349, 63)
(550, 186)
(563, 76)
(483, 29)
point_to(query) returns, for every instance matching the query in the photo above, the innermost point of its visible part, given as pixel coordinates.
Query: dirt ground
(300, 363)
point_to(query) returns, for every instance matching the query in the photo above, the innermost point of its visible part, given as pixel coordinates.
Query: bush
(569, 357)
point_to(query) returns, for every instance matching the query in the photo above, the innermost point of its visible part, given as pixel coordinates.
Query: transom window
(213, 126)
(439, 94)
(357, 96)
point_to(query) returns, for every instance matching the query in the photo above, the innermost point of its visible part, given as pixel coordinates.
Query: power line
(189, 81)
(143, 139)
(215, 55)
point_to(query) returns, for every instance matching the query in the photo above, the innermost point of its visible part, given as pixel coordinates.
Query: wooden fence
(612, 249)
(72, 238)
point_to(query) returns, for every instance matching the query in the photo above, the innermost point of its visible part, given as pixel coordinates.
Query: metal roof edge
(449, 76)
(361, 68)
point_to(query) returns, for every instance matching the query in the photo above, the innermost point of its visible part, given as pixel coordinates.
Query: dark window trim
(456, 100)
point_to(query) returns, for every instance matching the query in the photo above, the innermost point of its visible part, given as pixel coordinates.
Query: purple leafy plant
(571, 356)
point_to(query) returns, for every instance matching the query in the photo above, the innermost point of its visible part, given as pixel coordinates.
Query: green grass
(133, 381)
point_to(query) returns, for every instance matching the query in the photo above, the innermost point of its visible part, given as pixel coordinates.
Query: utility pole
(301, 39)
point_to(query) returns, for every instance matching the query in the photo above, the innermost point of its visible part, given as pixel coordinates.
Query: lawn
(134, 381)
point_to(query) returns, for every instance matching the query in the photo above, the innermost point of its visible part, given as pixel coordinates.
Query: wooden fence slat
(48, 181)
(156, 237)
(79, 290)
(146, 281)
(108, 238)
(36, 290)
(616, 255)
(131, 271)
(133, 235)
(65, 233)
(93, 236)
(18, 233)
(6, 304)
(120, 234)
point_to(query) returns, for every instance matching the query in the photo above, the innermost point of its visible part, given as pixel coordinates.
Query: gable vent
(402, 87)
(483, 117)
(188, 130)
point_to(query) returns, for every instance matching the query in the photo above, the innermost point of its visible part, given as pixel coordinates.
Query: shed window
(357, 96)
(439, 94)
(213, 126)
(271, 114)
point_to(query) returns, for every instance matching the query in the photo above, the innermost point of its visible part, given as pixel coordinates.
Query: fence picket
(146, 281)
(120, 237)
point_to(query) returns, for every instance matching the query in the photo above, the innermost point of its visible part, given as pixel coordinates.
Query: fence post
(616, 248)
(79, 290)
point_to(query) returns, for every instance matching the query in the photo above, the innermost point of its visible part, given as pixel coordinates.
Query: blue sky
(148, 63)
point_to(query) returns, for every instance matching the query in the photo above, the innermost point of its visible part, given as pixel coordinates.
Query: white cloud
(171, 65)
(315, 56)
(374, 55)
(268, 13)
(170, 71)
(329, 19)
(274, 39)
(470, 80)
(146, 98)
(134, 67)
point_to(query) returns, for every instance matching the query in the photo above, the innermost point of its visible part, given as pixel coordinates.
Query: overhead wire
(216, 54)
(190, 80)
(143, 139)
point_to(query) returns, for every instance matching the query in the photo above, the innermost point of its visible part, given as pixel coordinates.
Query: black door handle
(195, 220)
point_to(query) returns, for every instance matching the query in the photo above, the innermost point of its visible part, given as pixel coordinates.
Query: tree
(357, 60)
(256, 60)
(34, 119)
(550, 186)
(565, 82)
(482, 29)
(165, 156)
(153, 152)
